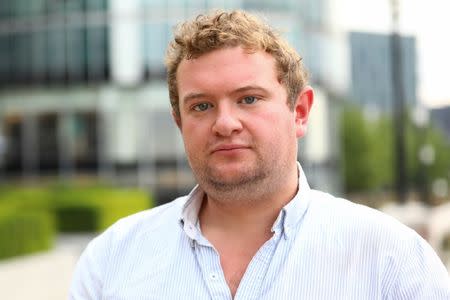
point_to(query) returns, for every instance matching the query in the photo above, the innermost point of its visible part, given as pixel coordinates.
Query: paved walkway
(42, 276)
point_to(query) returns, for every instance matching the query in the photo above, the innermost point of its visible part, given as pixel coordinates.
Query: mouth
(229, 148)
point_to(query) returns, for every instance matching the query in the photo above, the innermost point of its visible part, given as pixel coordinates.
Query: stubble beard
(245, 188)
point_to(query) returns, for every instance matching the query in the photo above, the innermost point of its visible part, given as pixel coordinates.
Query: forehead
(226, 69)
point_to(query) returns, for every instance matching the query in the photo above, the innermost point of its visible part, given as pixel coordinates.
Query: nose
(227, 121)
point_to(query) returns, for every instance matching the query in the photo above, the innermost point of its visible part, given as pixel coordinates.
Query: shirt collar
(189, 215)
(295, 209)
(287, 220)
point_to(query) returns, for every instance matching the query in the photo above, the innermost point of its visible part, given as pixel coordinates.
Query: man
(252, 228)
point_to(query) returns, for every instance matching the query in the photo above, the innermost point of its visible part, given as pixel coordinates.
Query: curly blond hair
(221, 29)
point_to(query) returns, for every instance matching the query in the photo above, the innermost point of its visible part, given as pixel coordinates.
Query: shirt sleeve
(422, 274)
(88, 278)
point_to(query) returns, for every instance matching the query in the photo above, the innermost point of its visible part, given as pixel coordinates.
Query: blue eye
(249, 100)
(201, 106)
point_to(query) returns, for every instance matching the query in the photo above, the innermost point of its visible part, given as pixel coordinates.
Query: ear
(302, 108)
(177, 119)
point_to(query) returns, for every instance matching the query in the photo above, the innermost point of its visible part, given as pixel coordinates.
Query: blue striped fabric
(322, 248)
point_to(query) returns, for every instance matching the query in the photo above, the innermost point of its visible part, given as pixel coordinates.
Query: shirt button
(213, 276)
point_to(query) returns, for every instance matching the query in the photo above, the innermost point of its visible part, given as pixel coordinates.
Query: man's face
(237, 127)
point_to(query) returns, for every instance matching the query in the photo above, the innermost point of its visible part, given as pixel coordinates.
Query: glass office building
(372, 82)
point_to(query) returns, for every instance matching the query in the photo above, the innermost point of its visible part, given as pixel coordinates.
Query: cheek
(280, 125)
(193, 136)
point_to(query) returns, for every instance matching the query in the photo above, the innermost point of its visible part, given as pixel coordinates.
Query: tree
(367, 153)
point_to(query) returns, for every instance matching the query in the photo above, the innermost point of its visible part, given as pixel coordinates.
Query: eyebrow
(250, 88)
(196, 96)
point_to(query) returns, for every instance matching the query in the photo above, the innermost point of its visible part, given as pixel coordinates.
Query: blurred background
(86, 134)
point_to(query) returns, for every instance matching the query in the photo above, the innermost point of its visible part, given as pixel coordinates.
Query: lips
(224, 148)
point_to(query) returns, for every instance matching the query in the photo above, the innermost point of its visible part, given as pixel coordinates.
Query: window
(85, 140)
(57, 41)
(13, 125)
(48, 141)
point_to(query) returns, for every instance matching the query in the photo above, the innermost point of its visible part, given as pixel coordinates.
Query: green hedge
(95, 209)
(77, 218)
(31, 216)
(25, 232)
(26, 198)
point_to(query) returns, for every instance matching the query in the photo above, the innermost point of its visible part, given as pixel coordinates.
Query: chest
(234, 264)
(279, 271)
(236, 255)
(276, 271)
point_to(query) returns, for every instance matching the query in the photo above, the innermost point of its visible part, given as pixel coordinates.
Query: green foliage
(29, 198)
(367, 152)
(121, 203)
(439, 168)
(77, 218)
(106, 205)
(356, 151)
(30, 216)
(25, 232)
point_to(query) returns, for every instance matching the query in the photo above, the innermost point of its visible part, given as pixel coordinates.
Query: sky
(434, 44)
(428, 20)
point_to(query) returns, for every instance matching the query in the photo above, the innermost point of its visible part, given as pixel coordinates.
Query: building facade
(371, 70)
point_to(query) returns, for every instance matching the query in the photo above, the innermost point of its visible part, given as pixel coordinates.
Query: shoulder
(352, 228)
(121, 249)
(359, 219)
(129, 236)
(406, 262)
(158, 221)
(151, 219)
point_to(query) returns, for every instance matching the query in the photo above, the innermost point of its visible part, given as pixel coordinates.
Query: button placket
(250, 286)
(211, 269)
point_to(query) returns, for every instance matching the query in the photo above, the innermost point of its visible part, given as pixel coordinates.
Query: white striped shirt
(322, 248)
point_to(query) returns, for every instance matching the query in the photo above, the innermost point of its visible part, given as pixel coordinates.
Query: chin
(230, 170)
